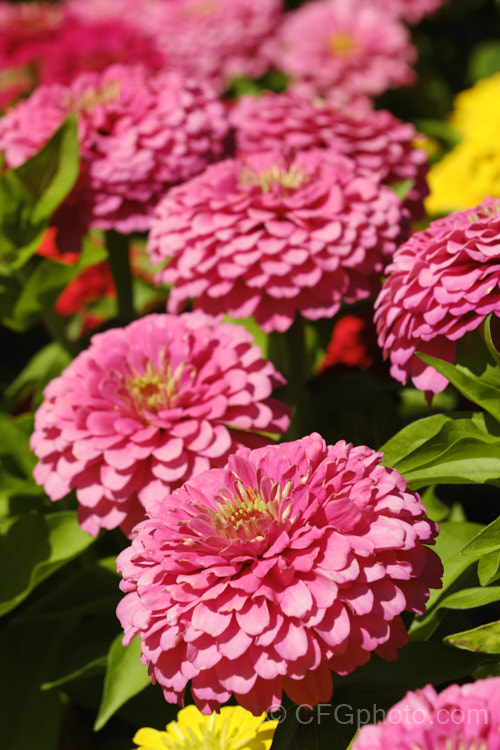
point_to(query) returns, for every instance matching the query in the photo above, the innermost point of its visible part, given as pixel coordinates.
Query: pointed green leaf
(488, 540)
(485, 638)
(488, 568)
(125, 677)
(34, 547)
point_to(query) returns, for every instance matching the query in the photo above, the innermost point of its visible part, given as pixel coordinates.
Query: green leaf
(488, 568)
(125, 677)
(488, 540)
(447, 449)
(47, 282)
(484, 60)
(34, 547)
(30, 194)
(46, 364)
(485, 638)
(30, 718)
(450, 541)
(83, 650)
(476, 375)
(402, 188)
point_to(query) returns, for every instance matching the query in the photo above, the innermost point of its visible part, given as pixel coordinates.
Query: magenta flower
(465, 717)
(441, 284)
(354, 47)
(267, 235)
(375, 140)
(147, 407)
(139, 133)
(218, 40)
(292, 561)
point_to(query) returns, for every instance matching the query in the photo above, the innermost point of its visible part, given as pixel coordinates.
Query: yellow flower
(471, 171)
(234, 728)
(477, 110)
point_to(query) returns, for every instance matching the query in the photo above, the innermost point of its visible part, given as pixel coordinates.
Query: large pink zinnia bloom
(465, 717)
(148, 406)
(267, 235)
(441, 284)
(292, 561)
(140, 133)
(374, 139)
(354, 47)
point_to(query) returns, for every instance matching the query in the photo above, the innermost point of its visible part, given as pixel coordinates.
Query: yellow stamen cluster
(153, 389)
(93, 97)
(342, 44)
(289, 179)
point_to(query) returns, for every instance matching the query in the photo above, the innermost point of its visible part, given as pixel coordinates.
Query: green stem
(119, 260)
(55, 327)
(296, 372)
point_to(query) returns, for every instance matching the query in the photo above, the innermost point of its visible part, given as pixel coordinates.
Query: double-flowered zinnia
(139, 134)
(374, 139)
(269, 235)
(293, 560)
(233, 728)
(146, 407)
(442, 283)
(353, 47)
(465, 717)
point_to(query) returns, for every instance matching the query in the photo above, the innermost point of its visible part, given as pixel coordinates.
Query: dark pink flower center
(288, 179)
(341, 44)
(154, 389)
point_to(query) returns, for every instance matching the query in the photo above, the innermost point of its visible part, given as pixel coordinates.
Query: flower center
(202, 8)
(246, 513)
(485, 212)
(288, 179)
(94, 97)
(154, 389)
(342, 44)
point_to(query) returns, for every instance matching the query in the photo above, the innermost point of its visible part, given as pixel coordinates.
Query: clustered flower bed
(252, 374)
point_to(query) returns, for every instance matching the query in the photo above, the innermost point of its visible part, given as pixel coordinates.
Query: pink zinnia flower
(267, 235)
(139, 134)
(353, 46)
(465, 717)
(219, 39)
(441, 284)
(292, 561)
(148, 406)
(374, 139)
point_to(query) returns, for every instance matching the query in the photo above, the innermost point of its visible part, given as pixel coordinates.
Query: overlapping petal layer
(465, 717)
(140, 133)
(293, 560)
(442, 283)
(148, 406)
(374, 139)
(267, 235)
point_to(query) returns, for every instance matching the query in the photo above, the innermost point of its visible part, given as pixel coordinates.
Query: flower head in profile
(374, 139)
(442, 283)
(293, 560)
(147, 407)
(355, 47)
(465, 717)
(140, 133)
(233, 728)
(267, 235)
